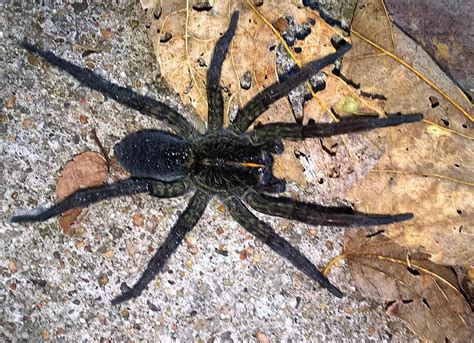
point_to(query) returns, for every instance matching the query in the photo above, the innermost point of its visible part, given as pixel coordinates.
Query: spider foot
(278, 244)
(85, 197)
(185, 223)
(315, 214)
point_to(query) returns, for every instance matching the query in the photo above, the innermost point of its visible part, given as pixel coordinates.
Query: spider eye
(155, 154)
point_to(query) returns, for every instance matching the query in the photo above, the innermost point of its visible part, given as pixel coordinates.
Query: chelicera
(231, 163)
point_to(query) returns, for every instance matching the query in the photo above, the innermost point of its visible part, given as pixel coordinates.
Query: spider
(231, 163)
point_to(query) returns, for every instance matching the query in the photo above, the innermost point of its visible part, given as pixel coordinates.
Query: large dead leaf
(424, 295)
(442, 202)
(426, 169)
(186, 38)
(88, 169)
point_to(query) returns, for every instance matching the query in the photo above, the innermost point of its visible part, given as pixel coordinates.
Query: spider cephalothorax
(231, 163)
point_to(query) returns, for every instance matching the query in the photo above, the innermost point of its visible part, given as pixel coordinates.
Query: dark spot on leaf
(201, 62)
(299, 154)
(157, 13)
(413, 271)
(457, 165)
(321, 181)
(202, 6)
(426, 303)
(335, 172)
(389, 303)
(373, 96)
(303, 31)
(434, 101)
(328, 146)
(445, 122)
(272, 47)
(297, 49)
(459, 212)
(166, 37)
(376, 233)
(407, 301)
(246, 80)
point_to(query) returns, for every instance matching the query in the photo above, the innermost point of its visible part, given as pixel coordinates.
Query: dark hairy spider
(231, 163)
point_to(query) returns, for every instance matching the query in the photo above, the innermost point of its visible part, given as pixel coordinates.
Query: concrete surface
(58, 288)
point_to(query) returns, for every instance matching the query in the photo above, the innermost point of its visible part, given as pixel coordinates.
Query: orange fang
(251, 165)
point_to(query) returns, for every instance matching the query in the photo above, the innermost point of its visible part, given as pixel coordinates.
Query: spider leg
(214, 95)
(267, 235)
(92, 195)
(292, 131)
(185, 223)
(123, 95)
(319, 215)
(261, 102)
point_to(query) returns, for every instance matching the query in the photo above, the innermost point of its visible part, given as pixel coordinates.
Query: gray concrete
(50, 282)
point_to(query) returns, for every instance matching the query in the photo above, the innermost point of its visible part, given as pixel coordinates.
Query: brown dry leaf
(184, 63)
(87, 169)
(426, 169)
(426, 296)
(443, 209)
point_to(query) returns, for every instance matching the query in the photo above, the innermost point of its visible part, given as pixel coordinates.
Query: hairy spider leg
(262, 101)
(315, 214)
(87, 196)
(123, 95)
(215, 102)
(292, 131)
(282, 247)
(185, 223)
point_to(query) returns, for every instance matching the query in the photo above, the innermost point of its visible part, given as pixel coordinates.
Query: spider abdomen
(155, 154)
